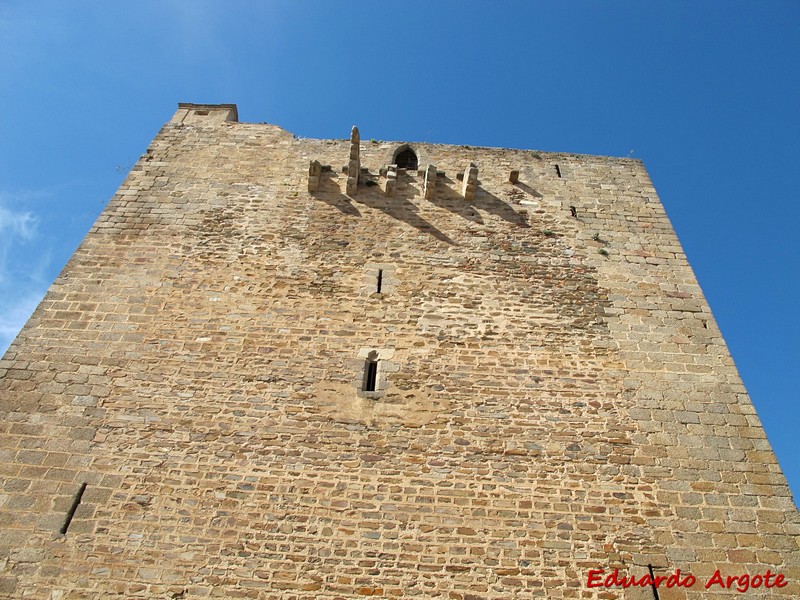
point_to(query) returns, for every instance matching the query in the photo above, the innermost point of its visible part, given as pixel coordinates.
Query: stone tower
(284, 368)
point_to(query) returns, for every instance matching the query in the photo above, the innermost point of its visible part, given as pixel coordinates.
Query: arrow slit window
(371, 372)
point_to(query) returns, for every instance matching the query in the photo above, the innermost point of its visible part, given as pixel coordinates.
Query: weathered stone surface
(470, 182)
(391, 180)
(540, 409)
(429, 184)
(314, 174)
(354, 163)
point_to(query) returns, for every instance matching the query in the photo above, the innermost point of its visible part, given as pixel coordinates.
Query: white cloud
(14, 315)
(21, 272)
(22, 224)
(17, 229)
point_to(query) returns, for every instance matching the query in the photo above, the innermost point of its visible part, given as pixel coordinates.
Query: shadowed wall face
(467, 388)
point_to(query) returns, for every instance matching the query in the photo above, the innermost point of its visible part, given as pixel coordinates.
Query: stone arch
(408, 155)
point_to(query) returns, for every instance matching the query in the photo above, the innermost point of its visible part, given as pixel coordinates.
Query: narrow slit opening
(558, 170)
(380, 280)
(573, 211)
(653, 581)
(371, 376)
(75, 502)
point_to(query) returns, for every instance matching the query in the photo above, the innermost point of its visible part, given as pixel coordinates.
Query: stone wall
(552, 396)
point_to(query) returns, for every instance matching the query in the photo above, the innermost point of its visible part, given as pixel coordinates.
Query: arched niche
(405, 157)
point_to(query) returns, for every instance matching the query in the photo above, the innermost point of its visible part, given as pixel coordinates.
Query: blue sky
(707, 94)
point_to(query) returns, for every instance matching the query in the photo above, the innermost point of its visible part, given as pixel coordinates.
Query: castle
(300, 368)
